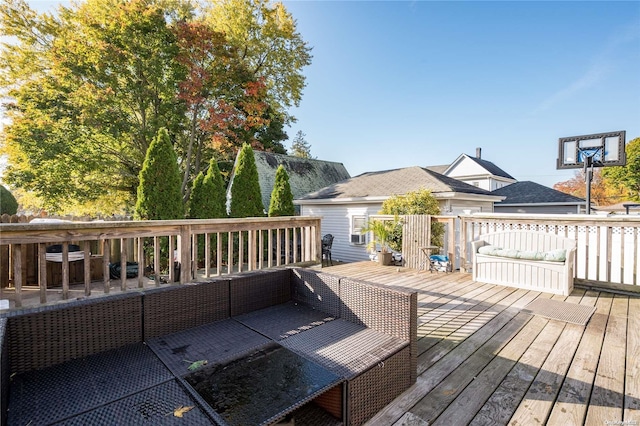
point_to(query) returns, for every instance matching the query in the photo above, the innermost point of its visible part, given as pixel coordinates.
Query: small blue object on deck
(440, 262)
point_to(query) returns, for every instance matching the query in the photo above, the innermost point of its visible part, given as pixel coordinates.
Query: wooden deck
(483, 361)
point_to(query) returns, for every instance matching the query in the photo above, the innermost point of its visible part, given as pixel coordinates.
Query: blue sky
(396, 84)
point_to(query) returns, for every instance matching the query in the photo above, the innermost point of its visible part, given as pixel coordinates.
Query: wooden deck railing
(208, 247)
(607, 246)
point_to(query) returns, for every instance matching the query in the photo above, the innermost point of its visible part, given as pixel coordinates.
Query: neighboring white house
(345, 206)
(477, 172)
(519, 197)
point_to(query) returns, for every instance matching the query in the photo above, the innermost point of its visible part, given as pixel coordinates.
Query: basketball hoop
(589, 151)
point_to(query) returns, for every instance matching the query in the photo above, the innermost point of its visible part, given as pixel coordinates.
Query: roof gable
(528, 192)
(466, 165)
(388, 183)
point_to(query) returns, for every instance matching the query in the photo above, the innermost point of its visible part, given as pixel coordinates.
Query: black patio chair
(327, 242)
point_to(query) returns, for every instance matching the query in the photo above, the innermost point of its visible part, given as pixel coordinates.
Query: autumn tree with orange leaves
(603, 192)
(89, 86)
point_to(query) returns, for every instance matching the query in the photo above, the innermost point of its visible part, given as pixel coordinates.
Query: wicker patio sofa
(135, 357)
(525, 259)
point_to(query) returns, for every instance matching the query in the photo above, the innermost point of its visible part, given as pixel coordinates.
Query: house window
(357, 223)
(476, 183)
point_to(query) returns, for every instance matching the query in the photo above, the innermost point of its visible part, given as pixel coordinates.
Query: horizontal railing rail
(183, 249)
(607, 246)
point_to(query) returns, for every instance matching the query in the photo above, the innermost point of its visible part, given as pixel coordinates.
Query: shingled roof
(305, 174)
(394, 182)
(527, 192)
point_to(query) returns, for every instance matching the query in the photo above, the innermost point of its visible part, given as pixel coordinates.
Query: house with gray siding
(346, 206)
(531, 197)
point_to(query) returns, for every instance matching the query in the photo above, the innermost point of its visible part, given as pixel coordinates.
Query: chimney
(478, 153)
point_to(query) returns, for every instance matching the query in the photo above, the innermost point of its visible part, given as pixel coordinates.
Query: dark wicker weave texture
(373, 390)
(177, 308)
(155, 406)
(343, 347)
(68, 389)
(318, 290)
(259, 290)
(387, 310)
(381, 308)
(214, 343)
(4, 371)
(74, 331)
(285, 320)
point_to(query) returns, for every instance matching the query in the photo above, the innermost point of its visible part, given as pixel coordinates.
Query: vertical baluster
(207, 255)
(156, 260)
(141, 262)
(218, 253)
(65, 270)
(123, 264)
(106, 259)
(42, 271)
(87, 268)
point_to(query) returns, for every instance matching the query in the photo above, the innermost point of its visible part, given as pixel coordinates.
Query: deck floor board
(483, 361)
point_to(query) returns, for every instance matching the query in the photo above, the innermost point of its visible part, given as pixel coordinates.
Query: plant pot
(384, 259)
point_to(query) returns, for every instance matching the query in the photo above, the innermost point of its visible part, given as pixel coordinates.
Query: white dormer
(478, 172)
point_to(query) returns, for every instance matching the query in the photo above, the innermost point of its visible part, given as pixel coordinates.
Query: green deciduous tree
(89, 87)
(8, 203)
(246, 199)
(83, 118)
(159, 196)
(281, 203)
(627, 176)
(416, 202)
(266, 35)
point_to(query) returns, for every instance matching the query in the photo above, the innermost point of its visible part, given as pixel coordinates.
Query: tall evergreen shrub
(281, 197)
(8, 203)
(246, 199)
(159, 195)
(208, 198)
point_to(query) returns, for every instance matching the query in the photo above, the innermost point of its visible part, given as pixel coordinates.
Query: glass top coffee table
(262, 387)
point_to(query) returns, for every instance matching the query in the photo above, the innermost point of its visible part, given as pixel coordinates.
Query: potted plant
(382, 234)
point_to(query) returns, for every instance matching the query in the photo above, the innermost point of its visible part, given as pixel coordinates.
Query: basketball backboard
(603, 149)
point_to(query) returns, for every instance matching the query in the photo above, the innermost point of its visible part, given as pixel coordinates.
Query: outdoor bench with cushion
(525, 259)
(252, 348)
